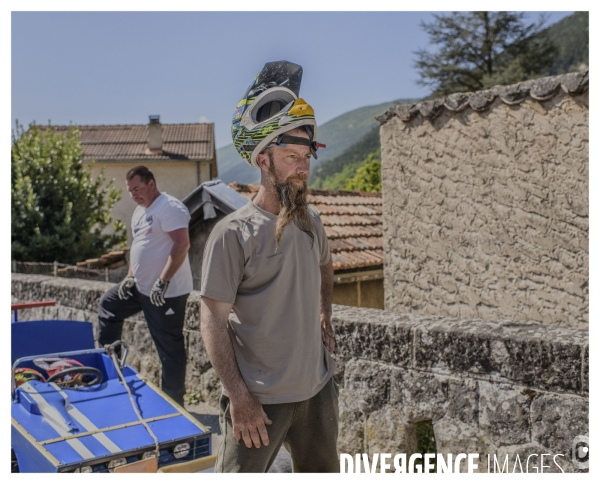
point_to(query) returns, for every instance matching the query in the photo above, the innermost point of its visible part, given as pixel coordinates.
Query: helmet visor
(270, 103)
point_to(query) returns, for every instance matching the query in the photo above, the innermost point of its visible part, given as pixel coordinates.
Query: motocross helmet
(271, 107)
(23, 375)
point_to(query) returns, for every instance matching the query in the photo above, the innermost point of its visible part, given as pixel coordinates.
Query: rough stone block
(549, 365)
(192, 312)
(137, 336)
(196, 351)
(429, 396)
(387, 431)
(149, 366)
(211, 387)
(75, 293)
(351, 424)
(455, 437)
(366, 334)
(548, 359)
(504, 413)
(369, 383)
(557, 419)
(197, 362)
(452, 345)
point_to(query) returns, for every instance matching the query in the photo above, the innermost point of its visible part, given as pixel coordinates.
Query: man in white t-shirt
(159, 279)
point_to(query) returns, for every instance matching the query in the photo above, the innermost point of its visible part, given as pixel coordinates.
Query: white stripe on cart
(86, 423)
(54, 418)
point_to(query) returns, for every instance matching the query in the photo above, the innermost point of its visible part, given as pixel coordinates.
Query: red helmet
(54, 365)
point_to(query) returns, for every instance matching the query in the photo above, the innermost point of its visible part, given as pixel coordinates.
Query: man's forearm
(248, 417)
(220, 351)
(174, 262)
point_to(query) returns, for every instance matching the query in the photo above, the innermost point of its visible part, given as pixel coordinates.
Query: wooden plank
(358, 276)
(108, 429)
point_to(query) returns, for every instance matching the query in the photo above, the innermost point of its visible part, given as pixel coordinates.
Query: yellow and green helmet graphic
(270, 107)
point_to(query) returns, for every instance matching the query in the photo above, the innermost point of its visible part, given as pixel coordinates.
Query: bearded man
(270, 263)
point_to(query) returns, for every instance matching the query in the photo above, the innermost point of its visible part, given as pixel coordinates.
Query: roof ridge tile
(541, 89)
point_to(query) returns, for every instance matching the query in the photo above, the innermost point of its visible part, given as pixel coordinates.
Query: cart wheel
(14, 465)
(77, 374)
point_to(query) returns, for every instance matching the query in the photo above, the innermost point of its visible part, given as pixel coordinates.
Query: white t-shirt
(152, 244)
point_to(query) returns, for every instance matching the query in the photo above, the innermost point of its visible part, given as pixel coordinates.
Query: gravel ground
(209, 417)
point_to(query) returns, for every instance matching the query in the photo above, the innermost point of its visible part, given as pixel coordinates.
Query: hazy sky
(120, 67)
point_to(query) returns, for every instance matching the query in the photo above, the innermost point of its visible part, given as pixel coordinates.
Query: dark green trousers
(307, 429)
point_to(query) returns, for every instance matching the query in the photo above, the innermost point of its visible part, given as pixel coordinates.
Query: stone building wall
(485, 203)
(487, 387)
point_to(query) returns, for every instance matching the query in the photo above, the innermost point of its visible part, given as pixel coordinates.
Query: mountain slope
(232, 167)
(572, 37)
(347, 129)
(333, 174)
(338, 134)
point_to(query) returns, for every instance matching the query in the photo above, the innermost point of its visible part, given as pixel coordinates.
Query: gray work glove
(125, 287)
(158, 291)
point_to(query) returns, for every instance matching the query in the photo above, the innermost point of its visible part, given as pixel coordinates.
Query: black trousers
(166, 328)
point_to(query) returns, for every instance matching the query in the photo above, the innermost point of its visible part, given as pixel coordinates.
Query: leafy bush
(368, 176)
(58, 211)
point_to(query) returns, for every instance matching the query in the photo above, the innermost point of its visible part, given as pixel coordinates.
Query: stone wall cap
(494, 329)
(491, 329)
(540, 90)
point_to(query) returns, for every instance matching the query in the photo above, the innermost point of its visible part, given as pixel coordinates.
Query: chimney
(155, 135)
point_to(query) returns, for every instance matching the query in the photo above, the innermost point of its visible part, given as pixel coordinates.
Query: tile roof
(111, 260)
(128, 142)
(537, 89)
(353, 222)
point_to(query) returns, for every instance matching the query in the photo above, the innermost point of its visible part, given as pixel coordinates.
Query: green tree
(368, 176)
(478, 50)
(58, 211)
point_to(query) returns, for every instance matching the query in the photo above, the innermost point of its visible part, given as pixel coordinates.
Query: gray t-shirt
(276, 329)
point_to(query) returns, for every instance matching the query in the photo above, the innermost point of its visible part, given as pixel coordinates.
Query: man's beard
(294, 204)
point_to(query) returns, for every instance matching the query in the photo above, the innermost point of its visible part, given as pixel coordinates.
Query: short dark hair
(144, 173)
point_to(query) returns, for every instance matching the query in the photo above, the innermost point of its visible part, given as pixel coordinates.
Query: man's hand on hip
(125, 287)
(249, 419)
(158, 291)
(327, 334)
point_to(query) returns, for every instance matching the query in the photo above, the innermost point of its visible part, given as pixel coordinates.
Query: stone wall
(485, 203)
(487, 387)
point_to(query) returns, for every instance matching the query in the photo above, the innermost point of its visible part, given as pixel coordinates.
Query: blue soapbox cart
(100, 417)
